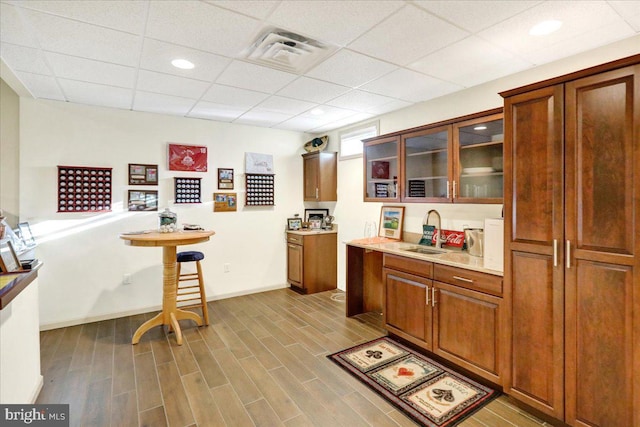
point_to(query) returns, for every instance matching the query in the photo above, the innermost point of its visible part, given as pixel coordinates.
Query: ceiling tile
(41, 86)
(20, 58)
(150, 81)
(157, 56)
(300, 124)
(120, 15)
(629, 10)
(474, 15)
(359, 100)
(262, 118)
(386, 108)
(407, 36)
(94, 94)
(351, 69)
(200, 26)
(578, 17)
(337, 22)
(233, 96)
(470, 62)
(254, 77)
(597, 37)
(71, 67)
(280, 104)
(14, 28)
(212, 111)
(329, 113)
(342, 122)
(312, 90)
(257, 8)
(76, 38)
(165, 104)
(410, 86)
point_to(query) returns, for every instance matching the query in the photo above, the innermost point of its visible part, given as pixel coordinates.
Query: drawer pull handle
(293, 246)
(555, 252)
(433, 296)
(427, 293)
(464, 279)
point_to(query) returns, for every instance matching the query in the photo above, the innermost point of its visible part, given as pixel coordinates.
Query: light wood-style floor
(261, 362)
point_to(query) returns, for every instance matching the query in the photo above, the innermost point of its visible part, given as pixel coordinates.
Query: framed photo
(142, 200)
(391, 218)
(294, 223)
(26, 234)
(225, 179)
(258, 163)
(379, 169)
(310, 214)
(143, 174)
(192, 158)
(8, 259)
(315, 224)
(225, 202)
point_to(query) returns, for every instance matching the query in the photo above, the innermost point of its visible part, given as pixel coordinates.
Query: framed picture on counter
(391, 218)
(294, 224)
(320, 214)
(8, 258)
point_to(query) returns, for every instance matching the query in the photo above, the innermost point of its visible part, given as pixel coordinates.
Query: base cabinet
(572, 209)
(454, 320)
(312, 262)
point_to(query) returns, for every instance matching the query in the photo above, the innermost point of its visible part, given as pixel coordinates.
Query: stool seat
(190, 256)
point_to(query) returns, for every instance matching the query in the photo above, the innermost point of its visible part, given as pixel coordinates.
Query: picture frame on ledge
(294, 224)
(320, 214)
(9, 262)
(391, 221)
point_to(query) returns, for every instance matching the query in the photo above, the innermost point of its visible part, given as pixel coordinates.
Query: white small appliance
(494, 243)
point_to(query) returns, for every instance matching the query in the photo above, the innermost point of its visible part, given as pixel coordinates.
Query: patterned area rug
(423, 389)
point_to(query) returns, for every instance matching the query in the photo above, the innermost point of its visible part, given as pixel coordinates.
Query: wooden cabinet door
(602, 244)
(311, 169)
(295, 264)
(466, 329)
(406, 304)
(534, 274)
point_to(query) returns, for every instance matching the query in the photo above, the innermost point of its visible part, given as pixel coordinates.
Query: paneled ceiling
(380, 55)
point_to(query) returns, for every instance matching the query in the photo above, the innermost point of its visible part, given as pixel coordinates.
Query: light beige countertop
(307, 232)
(451, 257)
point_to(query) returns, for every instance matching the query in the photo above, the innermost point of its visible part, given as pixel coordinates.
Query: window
(351, 140)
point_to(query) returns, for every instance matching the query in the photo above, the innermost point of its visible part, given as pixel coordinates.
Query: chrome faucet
(438, 227)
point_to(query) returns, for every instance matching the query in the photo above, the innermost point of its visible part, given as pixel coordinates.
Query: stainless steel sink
(426, 251)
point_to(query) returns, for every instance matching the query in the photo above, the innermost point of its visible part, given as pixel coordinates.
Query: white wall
(9, 152)
(85, 260)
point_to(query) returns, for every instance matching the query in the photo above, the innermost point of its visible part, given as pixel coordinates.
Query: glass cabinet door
(427, 165)
(479, 170)
(381, 169)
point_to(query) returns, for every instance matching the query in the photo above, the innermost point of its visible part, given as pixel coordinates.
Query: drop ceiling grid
(390, 54)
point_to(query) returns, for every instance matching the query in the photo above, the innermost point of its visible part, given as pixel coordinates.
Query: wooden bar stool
(187, 295)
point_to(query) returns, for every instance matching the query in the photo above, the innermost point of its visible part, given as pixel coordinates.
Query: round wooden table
(169, 241)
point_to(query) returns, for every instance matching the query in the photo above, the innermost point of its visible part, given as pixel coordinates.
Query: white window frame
(353, 134)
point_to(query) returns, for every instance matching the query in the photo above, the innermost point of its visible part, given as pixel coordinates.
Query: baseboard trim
(108, 316)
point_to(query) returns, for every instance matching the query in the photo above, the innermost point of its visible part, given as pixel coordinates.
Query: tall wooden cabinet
(311, 261)
(320, 171)
(572, 261)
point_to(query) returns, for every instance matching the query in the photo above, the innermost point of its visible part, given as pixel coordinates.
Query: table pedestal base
(158, 320)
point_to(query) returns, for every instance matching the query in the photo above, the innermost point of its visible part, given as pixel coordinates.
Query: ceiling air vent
(287, 51)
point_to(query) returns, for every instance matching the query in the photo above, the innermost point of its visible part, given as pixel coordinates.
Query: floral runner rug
(426, 391)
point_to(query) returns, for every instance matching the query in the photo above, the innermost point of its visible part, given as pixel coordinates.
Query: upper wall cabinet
(457, 161)
(320, 176)
(382, 169)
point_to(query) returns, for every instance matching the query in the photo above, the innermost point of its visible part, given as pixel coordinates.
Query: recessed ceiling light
(479, 128)
(317, 111)
(545, 27)
(182, 64)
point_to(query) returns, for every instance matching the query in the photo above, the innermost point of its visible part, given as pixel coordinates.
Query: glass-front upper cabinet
(478, 172)
(381, 169)
(427, 164)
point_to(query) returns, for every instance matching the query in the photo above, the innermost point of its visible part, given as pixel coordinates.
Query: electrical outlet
(126, 279)
(227, 267)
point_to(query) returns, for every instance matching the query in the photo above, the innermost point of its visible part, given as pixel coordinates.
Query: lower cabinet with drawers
(312, 262)
(452, 312)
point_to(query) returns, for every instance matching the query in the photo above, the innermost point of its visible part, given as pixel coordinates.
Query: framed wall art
(187, 190)
(225, 202)
(191, 158)
(143, 174)
(84, 189)
(256, 163)
(225, 179)
(260, 190)
(391, 218)
(143, 200)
